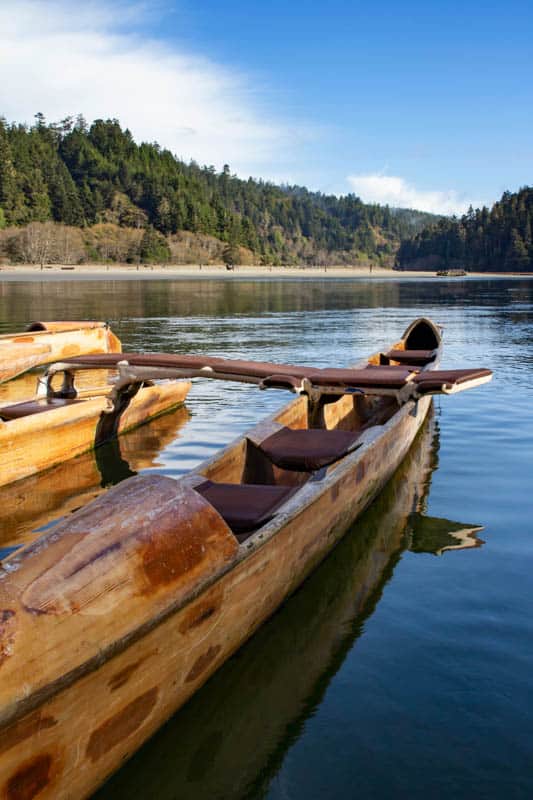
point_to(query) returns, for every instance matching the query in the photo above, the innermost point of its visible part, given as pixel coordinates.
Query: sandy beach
(188, 271)
(58, 272)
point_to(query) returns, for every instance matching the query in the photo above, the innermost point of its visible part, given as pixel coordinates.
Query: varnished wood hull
(116, 618)
(249, 711)
(40, 441)
(53, 341)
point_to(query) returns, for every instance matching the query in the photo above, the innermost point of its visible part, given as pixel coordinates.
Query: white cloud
(63, 59)
(395, 191)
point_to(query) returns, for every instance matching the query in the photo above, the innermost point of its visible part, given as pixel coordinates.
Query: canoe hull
(76, 733)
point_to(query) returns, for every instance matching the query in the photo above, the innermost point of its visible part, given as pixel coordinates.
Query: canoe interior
(243, 462)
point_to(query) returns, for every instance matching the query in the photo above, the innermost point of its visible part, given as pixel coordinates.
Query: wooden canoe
(45, 342)
(115, 617)
(249, 711)
(59, 424)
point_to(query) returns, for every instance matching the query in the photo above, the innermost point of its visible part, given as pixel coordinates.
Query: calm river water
(393, 672)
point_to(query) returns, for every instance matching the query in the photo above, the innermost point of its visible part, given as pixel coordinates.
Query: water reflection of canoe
(229, 740)
(59, 423)
(44, 342)
(117, 616)
(34, 502)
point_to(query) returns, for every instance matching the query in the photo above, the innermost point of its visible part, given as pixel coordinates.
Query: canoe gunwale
(73, 326)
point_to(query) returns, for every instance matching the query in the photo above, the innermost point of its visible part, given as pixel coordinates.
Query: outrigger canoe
(249, 712)
(116, 616)
(45, 342)
(58, 424)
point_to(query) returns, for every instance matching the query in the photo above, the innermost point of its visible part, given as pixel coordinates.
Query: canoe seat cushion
(27, 409)
(307, 450)
(245, 506)
(418, 357)
(378, 378)
(433, 380)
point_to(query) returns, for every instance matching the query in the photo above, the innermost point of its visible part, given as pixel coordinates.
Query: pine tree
(517, 257)
(154, 247)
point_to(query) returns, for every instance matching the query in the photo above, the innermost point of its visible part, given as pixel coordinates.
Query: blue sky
(420, 104)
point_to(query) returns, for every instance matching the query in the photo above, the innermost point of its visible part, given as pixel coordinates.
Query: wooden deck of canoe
(45, 342)
(114, 618)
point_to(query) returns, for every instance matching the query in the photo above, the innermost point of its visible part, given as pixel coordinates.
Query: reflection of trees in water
(148, 299)
(229, 741)
(128, 302)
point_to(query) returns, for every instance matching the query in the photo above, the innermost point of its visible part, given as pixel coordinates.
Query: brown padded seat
(245, 506)
(380, 377)
(228, 366)
(264, 369)
(420, 357)
(307, 450)
(145, 360)
(434, 379)
(19, 410)
(386, 377)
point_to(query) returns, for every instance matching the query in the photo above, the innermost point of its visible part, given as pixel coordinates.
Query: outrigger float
(45, 342)
(117, 615)
(60, 423)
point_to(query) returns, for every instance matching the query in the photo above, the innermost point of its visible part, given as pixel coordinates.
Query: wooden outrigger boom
(116, 616)
(44, 342)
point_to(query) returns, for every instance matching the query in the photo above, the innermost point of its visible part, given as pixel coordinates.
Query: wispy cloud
(63, 61)
(395, 191)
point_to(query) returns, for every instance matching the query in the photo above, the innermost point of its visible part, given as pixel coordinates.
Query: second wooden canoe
(38, 434)
(44, 342)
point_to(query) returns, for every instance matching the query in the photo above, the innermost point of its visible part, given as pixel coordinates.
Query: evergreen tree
(231, 255)
(517, 257)
(154, 247)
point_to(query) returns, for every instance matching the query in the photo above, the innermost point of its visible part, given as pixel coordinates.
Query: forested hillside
(498, 240)
(71, 192)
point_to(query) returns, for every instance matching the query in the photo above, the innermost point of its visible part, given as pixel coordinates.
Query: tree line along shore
(486, 240)
(73, 193)
(119, 200)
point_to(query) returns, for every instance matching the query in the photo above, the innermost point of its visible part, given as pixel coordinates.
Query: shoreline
(59, 272)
